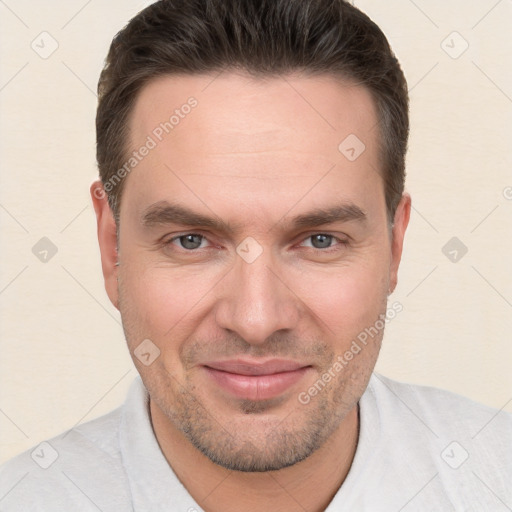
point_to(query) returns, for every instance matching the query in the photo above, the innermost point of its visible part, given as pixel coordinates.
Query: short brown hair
(261, 37)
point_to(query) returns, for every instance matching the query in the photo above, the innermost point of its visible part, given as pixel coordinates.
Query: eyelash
(340, 242)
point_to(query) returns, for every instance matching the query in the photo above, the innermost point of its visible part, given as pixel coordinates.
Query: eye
(190, 241)
(322, 241)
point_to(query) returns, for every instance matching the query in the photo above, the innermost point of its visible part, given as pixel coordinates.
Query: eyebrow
(339, 213)
(164, 213)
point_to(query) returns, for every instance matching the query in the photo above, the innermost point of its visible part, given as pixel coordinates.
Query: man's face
(252, 252)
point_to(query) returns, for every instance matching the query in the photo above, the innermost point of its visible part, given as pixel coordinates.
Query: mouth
(256, 380)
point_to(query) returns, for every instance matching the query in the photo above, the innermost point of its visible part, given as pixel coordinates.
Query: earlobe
(107, 239)
(401, 221)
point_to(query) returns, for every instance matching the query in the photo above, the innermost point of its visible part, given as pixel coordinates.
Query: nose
(255, 301)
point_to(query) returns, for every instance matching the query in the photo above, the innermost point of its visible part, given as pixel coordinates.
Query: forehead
(235, 110)
(231, 135)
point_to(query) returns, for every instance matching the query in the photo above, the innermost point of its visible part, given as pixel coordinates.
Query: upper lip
(247, 367)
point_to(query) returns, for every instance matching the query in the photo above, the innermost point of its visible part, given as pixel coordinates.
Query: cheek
(163, 300)
(346, 299)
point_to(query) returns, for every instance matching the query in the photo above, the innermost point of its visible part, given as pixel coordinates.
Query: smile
(256, 381)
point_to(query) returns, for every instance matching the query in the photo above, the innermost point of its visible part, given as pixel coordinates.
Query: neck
(308, 485)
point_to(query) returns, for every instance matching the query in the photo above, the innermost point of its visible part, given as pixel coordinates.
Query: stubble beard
(275, 443)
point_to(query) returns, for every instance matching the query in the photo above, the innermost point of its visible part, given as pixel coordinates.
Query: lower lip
(256, 387)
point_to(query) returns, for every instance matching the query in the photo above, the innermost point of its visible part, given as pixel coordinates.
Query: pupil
(191, 241)
(321, 241)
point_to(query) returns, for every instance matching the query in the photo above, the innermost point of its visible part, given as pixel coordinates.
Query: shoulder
(463, 446)
(439, 408)
(73, 468)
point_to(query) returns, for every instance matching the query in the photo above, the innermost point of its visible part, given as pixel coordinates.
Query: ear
(107, 238)
(401, 221)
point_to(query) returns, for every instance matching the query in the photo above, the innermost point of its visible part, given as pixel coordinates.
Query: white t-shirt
(420, 449)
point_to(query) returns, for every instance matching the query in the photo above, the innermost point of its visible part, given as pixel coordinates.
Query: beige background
(63, 359)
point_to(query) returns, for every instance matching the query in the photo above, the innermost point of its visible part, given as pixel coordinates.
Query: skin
(256, 154)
